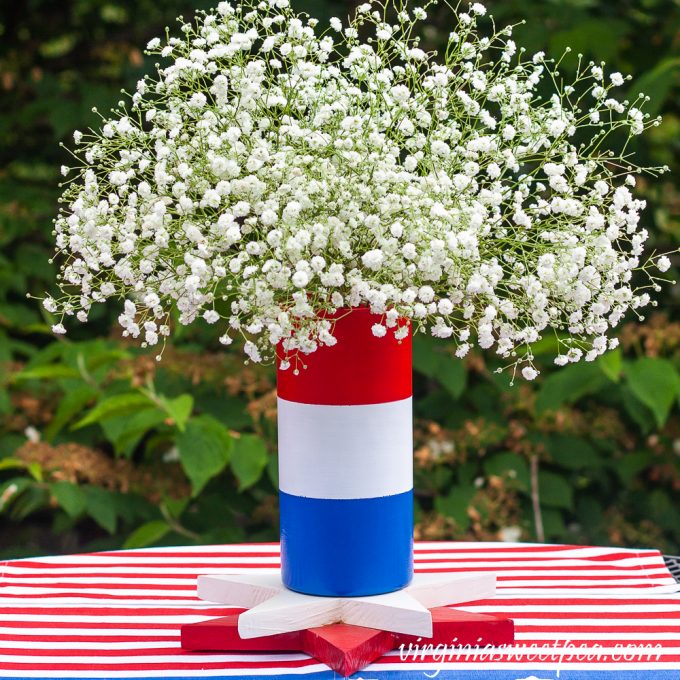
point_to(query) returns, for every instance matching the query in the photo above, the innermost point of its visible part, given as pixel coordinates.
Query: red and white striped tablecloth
(579, 612)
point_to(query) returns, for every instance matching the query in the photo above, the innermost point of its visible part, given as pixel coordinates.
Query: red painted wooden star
(347, 648)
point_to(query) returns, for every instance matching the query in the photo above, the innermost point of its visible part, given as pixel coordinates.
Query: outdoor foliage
(101, 446)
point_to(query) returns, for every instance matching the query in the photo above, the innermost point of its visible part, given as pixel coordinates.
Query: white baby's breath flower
(617, 79)
(663, 264)
(373, 259)
(529, 373)
(292, 173)
(300, 279)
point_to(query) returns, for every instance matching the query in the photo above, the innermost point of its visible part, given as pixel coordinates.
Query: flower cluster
(274, 171)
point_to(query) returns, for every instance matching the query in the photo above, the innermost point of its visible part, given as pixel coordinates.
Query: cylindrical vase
(346, 463)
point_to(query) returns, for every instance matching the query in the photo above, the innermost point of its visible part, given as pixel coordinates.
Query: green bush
(101, 446)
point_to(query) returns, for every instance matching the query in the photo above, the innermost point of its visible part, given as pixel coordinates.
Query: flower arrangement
(276, 171)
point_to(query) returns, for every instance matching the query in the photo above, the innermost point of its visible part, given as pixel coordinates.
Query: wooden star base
(273, 609)
(347, 648)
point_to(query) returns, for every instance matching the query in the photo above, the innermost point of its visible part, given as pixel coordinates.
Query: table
(580, 613)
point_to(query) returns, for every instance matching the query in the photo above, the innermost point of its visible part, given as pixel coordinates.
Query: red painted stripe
(190, 587)
(148, 565)
(543, 558)
(530, 548)
(445, 570)
(132, 637)
(524, 607)
(104, 596)
(359, 369)
(100, 625)
(576, 655)
(155, 666)
(536, 553)
(151, 638)
(70, 580)
(171, 652)
(651, 571)
(597, 616)
(524, 602)
(571, 628)
(524, 656)
(103, 610)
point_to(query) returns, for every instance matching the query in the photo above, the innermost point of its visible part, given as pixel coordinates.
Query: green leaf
(117, 405)
(637, 411)
(456, 504)
(273, 470)
(33, 498)
(125, 431)
(101, 506)
(147, 534)
(568, 385)
(12, 464)
(248, 460)
(452, 375)
(174, 506)
(573, 453)
(599, 37)
(48, 372)
(656, 383)
(204, 449)
(33, 469)
(657, 84)
(425, 359)
(554, 490)
(179, 409)
(553, 523)
(69, 405)
(70, 497)
(432, 360)
(611, 364)
(5, 402)
(630, 465)
(5, 348)
(11, 490)
(9, 443)
(511, 467)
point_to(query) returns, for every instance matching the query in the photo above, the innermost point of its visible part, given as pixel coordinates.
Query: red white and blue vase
(346, 464)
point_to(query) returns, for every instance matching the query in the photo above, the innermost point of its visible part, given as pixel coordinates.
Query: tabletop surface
(579, 612)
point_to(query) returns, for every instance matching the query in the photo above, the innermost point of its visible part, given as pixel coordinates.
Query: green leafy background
(102, 447)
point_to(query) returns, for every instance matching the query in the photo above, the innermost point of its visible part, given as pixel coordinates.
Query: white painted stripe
(88, 564)
(90, 629)
(197, 658)
(526, 664)
(345, 452)
(439, 549)
(638, 636)
(602, 609)
(95, 633)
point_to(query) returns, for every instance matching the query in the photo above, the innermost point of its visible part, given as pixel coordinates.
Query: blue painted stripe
(346, 547)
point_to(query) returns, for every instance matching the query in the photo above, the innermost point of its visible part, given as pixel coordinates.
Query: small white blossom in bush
(276, 170)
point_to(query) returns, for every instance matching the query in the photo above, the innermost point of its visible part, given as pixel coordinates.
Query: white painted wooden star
(272, 608)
